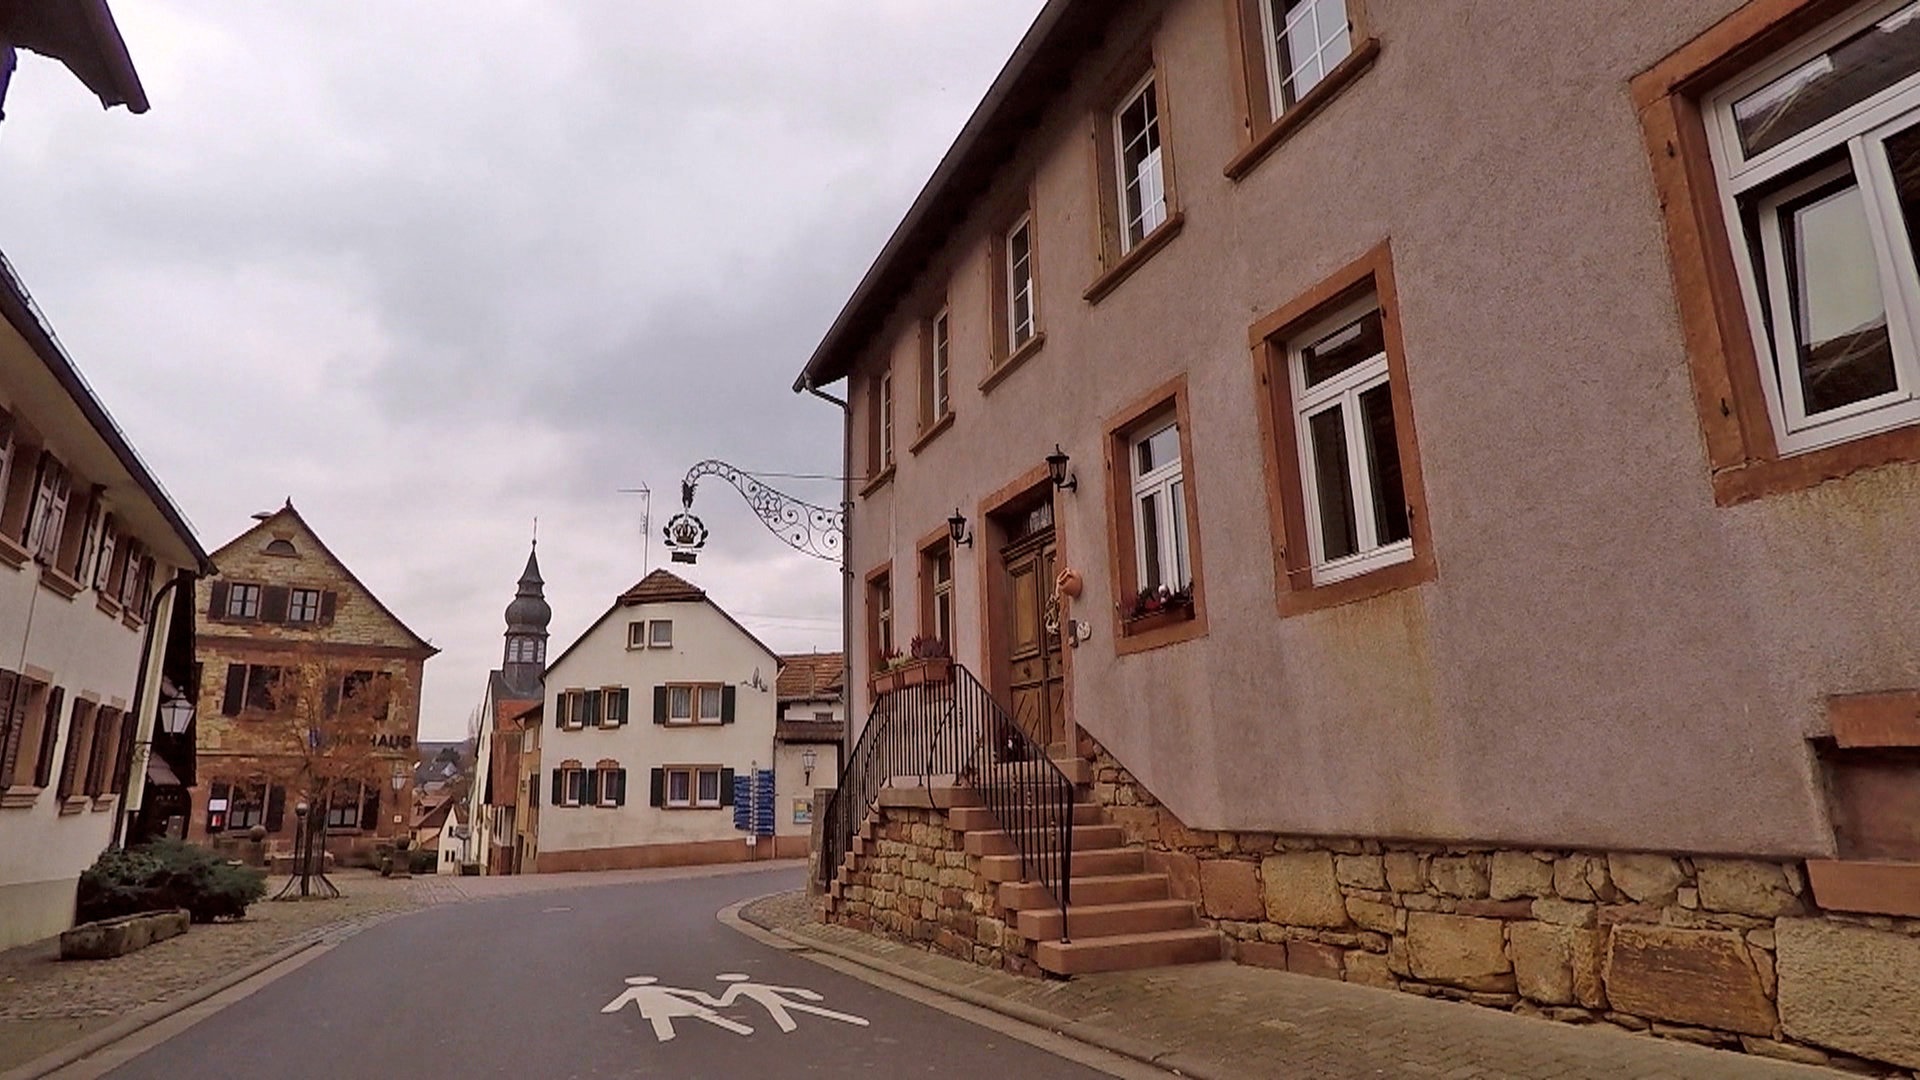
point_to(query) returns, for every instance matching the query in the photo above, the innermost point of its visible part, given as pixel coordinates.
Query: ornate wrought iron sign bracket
(812, 530)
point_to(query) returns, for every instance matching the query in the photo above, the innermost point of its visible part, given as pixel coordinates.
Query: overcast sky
(432, 269)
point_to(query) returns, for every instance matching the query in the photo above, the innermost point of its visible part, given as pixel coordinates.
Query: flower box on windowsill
(1154, 620)
(938, 669)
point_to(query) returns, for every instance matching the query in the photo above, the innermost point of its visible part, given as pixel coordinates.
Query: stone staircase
(1122, 915)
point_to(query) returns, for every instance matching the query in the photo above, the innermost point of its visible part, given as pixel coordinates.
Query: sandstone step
(1127, 952)
(937, 795)
(1107, 920)
(995, 841)
(1093, 889)
(1088, 863)
(970, 818)
(1078, 769)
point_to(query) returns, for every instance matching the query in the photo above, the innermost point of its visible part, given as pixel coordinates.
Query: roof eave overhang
(82, 35)
(1063, 32)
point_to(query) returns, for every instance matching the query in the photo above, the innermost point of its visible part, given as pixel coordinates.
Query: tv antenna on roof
(646, 527)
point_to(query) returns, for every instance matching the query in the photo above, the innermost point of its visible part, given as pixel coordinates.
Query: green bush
(423, 860)
(164, 875)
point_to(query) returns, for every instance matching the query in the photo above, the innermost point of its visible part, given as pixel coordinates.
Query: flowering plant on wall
(1156, 600)
(927, 648)
(892, 660)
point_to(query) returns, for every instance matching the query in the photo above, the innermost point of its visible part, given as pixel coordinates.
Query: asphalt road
(517, 986)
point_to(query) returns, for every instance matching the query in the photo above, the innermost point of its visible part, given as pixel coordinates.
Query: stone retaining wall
(1726, 952)
(914, 882)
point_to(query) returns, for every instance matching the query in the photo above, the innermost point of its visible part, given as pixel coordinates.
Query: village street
(517, 986)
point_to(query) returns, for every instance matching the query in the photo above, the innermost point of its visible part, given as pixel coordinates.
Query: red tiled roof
(811, 676)
(661, 587)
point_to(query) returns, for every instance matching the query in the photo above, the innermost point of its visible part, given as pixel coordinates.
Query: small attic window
(283, 548)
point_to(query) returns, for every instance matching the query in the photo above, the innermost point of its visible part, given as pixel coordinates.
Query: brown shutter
(12, 722)
(70, 761)
(49, 734)
(106, 735)
(123, 755)
(273, 604)
(328, 600)
(217, 601)
(235, 697)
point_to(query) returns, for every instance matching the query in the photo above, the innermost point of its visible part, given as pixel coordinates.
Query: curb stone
(142, 1018)
(1177, 1062)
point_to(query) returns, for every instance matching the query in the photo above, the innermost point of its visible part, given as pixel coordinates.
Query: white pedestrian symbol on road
(774, 1000)
(662, 1005)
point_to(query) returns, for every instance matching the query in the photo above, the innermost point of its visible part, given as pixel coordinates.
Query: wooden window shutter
(49, 731)
(591, 714)
(215, 793)
(726, 703)
(559, 789)
(659, 707)
(726, 785)
(10, 725)
(70, 762)
(217, 601)
(624, 713)
(105, 735)
(657, 788)
(370, 808)
(235, 696)
(273, 604)
(122, 755)
(328, 601)
(619, 778)
(276, 807)
(590, 791)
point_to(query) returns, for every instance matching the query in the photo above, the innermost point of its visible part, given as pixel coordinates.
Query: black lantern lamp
(808, 759)
(1057, 470)
(957, 529)
(175, 715)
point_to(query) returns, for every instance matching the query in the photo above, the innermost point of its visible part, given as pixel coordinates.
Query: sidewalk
(1225, 1020)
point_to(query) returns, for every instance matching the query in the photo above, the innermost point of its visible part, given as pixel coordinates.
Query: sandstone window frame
(1263, 126)
(26, 753)
(17, 494)
(1123, 428)
(47, 518)
(1745, 455)
(936, 376)
(1007, 350)
(880, 433)
(569, 784)
(1296, 587)
(1121, 253)
(303, 606)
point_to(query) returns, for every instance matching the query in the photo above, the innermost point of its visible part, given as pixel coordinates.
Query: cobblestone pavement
(1232, 1020)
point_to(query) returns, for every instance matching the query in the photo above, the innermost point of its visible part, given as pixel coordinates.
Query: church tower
(527, 618)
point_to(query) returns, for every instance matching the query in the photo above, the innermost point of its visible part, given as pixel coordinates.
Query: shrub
(423, 860)
(164, 875)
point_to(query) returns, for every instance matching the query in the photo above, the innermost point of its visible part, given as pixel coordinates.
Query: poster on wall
(803, 811)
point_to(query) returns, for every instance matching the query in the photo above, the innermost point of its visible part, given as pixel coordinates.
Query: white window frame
(702, 694)
(1342, 391)
(242, 603)
(700, 800)
(656, 639)
(294, 607)
(611, 701)
(1134, 229)
(573, 786)
(1327, 54)
(885, 405)
(692, 692)
(685, 802)
(637, 634)
(1862, 129)
(1167, 483)
(1019, 273)
(47, 522)
(942, 348)
(942, 593)
(604, 797)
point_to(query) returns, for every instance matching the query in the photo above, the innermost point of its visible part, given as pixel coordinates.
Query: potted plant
(1157, 607)
(886, 676)
(928, 661)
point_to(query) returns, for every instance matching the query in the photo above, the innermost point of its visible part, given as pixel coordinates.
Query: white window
(637, 634)
(48, 518)
(1818, 155)
(680, 704)
(886, 419)
(1305, 39)
(942, 574)
(303, 605)
(710, 699)
(136, 576)
(243, 601)
(573, 787)
(660, 634)
(1160, 508)
(680, 787)
(709, 788)
(1143, 188)
(1356, 508)
(941, 347)
(1020, 317)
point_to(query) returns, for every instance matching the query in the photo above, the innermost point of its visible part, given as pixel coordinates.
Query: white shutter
(49, 510)
(103, 561)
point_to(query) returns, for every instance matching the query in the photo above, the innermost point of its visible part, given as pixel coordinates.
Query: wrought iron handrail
(954, 733)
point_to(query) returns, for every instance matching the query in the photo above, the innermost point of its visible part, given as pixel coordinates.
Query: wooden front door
(1033, 651)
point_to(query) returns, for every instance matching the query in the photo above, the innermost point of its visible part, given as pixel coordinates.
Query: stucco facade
(698, 700)
(1604, 656)
(302, 607)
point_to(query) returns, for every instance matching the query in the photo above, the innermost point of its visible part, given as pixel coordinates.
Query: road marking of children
(662, 1005)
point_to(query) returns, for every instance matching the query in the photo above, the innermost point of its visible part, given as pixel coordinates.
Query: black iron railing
(954, 734)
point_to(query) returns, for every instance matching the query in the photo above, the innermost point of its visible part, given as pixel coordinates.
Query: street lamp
(1057, 470)
(957, 530)
(808, 759)
(175, 715)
